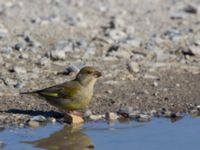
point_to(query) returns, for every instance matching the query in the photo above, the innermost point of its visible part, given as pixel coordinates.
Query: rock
(3, 31)
(44, 61)
(96, 117)
(116, 34)
(10, 82)
(24, 56)
(195, 113)
(133, 67)
(19, 46)
(18, 70)
(2, 144)
(52, 120)
(194, 50)
(1, 60)
(134, 114)
(56, 55)
(87, 113)
(149, 76)
(125, 111)
(144, 118)
(111, 116)
(71, 69)
(178, 15)
(172, 33)
(155, 84)
(190, 9)
(6, 50)
(73, 119)
(33, 124)
(39, 118)
(66, 46)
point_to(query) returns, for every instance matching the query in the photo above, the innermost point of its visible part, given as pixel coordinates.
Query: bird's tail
(32, 92)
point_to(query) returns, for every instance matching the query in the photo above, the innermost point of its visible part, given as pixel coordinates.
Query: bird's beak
(97, 74)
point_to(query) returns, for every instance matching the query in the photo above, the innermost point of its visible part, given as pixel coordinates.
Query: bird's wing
(65, 90)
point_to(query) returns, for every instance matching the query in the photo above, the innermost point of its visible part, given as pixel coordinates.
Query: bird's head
(88, 75)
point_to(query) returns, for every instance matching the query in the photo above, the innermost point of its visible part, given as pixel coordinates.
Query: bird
(71, 95)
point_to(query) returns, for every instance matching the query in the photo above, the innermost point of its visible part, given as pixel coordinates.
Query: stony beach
(147, 50)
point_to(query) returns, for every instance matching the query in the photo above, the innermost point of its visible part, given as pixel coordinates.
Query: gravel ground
(148, 51)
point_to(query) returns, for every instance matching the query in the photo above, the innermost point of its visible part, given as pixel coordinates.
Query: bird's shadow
(54, 114)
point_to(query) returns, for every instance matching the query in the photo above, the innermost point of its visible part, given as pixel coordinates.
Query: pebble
(155, 84)
(111, 116)
(57, 55)
(66, 46)
(3, 31)
(6, 50)
(71, 69)
(1, 60)
(24, 56)
(134, 114)
(52, 120)
(190, 9)
(19, 70)
(39, 118)
(178, 15)
(144, 118)
(10, 82)
(2, 144)
(125, 111)
(73, 119)
(19, 46)
(194, 50)
(96, 117)
(87, 113)
(33, 124)
(133, 67)
(44, 61)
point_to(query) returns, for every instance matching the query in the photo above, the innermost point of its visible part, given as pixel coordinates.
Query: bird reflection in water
(71, 138)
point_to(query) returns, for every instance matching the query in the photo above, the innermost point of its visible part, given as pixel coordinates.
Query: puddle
(157, 134)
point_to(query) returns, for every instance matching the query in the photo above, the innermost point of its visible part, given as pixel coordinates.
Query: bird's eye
(89, 72)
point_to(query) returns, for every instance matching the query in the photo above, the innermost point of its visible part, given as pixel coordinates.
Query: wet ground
(160, 133)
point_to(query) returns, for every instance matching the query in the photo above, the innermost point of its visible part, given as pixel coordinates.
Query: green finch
(71, 95)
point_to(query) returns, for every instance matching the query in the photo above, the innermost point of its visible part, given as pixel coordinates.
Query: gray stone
(155, 84)
(19, 70)
(3, 31)
(39, 118)
(71, 69)
(52, 120)
(44, 61)
(195, 50)
(87, 113)
(19, 46)
(133, 67)
(57, 55)
(6, 50)
(111, 116)
(96, 117)
(190, 9)
(144, 118)
(2, 144)
(125, 111)
(33, 124)
(1, 60)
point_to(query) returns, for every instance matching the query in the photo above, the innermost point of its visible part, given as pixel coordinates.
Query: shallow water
(157, 134)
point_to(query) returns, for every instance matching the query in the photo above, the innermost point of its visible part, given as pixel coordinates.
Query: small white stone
(111, 116)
